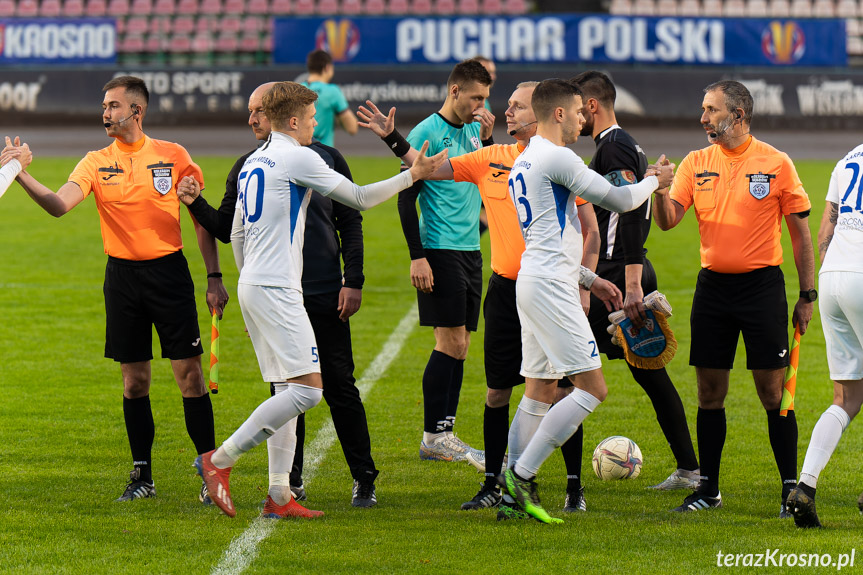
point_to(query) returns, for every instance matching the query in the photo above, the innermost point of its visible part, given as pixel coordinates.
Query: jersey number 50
(256, 175)
(521, 200)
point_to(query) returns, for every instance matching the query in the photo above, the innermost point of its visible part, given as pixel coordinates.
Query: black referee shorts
(502, 343)
(725, 305)
(141, 294)
(615, 272)
(455, 298)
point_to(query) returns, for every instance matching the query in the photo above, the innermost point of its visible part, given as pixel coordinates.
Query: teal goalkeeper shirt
(331, 102)
(449, 211)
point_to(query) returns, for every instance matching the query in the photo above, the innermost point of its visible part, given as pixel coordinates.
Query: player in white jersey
(556, 336)
(840, 245)
(267, 237)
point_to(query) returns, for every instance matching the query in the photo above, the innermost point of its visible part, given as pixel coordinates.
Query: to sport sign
(570, 38)
(85, 41)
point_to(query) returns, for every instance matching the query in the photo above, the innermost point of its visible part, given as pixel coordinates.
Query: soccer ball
(617, 457)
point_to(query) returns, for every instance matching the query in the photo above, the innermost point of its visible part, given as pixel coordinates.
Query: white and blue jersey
(273, 192)
(543, 184)
(846, 191)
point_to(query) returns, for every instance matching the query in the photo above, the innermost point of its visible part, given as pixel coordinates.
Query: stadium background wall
(791, 98)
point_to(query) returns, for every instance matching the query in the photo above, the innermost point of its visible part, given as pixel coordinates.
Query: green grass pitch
(64, 456)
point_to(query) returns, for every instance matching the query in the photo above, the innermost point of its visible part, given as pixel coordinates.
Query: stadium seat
(205, 24)
(137, 25)
(210, 7)
(304, 7)
(689, 8)
(161, 25)
(352, 7)
(465, 6)
(620, 7)
(117, 8)
(420, 7)
(444, 7)
(852, 27)
(131, 43)
(711, 8)
(846, 9)
(757, 8)
(96, 8)
(226, 42)
(27, 9)
(252, 24)
(734, 9)
(824, 9)
(184, 25)
(250, 42)
(644, 7)
(491, 6)
(187, 7)
(374, 7)
(229, 24)
(780, 9)
(801, 9)
(141, 7)
(50, 9)
(397, 6)
(164, 7)
(258, 7)
(73, 8)
(7, 8)
(855, 46)
(515, 7)
(327, 7)
(267, 42)
(235, 7)
(666, 8)
(202, 43)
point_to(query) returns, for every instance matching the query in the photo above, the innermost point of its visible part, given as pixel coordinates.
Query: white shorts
(556, 339)
(841, 305)
(280, 330)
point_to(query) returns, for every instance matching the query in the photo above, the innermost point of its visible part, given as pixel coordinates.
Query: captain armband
(586, 277)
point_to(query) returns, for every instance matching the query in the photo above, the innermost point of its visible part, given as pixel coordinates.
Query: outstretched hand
(373, 119)
(16, 151)
(188, 190)
(663, 169)
(424, 166)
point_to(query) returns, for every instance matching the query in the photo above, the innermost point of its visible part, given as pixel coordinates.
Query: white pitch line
(244, 549)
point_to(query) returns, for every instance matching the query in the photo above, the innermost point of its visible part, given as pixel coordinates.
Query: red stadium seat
(515, 7)
(757, 9)
(267, 42)
(226, 42)
(666, 7)
(229, 24)
(420, 7)
(252, 24)
(137, 25)
(73, 8)
(142, 7)
(282, 7)
(352, 7)
(327, 6)
(734, 9)
(211, 7)
(117, 8)
(235, 6)
(304, 7)
(50, 9)
(824, 9)
(801, 9)
(205, 24)
(27, 9)
(397, 6)
(258, 7)
(689, 8)
(7, 8)
(180, 43)
(779, 9)
(491, 7)
(467, 7)
(184, 25)
(161, 25)
(96, 8)
(187, 7)
(620, 7)
(712, 8)
(444, 7)
(164, 7)
(131, 44)
(202, 43)
(846, 9)
(375, 7)
(250, 42)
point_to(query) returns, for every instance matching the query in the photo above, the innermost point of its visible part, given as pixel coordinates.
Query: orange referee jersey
(489, 169)
(740, 197)
(135, 186)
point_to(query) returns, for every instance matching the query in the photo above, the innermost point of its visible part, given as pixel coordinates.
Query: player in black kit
(623, 261)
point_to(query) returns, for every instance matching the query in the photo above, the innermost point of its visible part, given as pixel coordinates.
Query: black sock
(711, 438)
(296, 479)
(495, 432)
(669, 413)
(783, 440)
(572, 452)
(436, 384)
(141, 431)
(199, 422)
(810, 491)
(454, 393)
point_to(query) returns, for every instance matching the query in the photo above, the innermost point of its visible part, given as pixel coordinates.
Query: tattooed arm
(828, 225)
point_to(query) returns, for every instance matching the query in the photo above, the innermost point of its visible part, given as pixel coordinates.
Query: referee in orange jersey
(741, 188)
(147, 280)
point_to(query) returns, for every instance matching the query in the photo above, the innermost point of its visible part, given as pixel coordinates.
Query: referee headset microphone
(515, 131)
(135, 112)
(725, 126)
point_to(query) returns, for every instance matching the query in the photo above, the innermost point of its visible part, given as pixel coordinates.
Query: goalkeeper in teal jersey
(446, 264)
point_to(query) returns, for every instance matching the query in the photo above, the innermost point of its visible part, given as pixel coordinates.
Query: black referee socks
(141, 430)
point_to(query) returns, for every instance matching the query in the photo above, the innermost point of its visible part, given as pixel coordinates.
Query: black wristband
(214, 275)
(489, 142)
(397, 143)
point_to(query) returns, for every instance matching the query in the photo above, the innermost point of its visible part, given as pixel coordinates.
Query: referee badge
(759, 185)
(475, 141)
(163, 181)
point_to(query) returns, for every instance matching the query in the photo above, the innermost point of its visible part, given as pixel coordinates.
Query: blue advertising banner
(66, 41)
(570, 38)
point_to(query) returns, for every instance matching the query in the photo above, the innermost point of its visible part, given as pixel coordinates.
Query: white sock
(430, 438)
(269, 417)
(825, 438)
(524, 424)
(557, 426)
(280, 450)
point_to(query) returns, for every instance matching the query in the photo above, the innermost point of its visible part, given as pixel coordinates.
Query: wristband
(586, 277)
(214, 275)
(397, 143)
